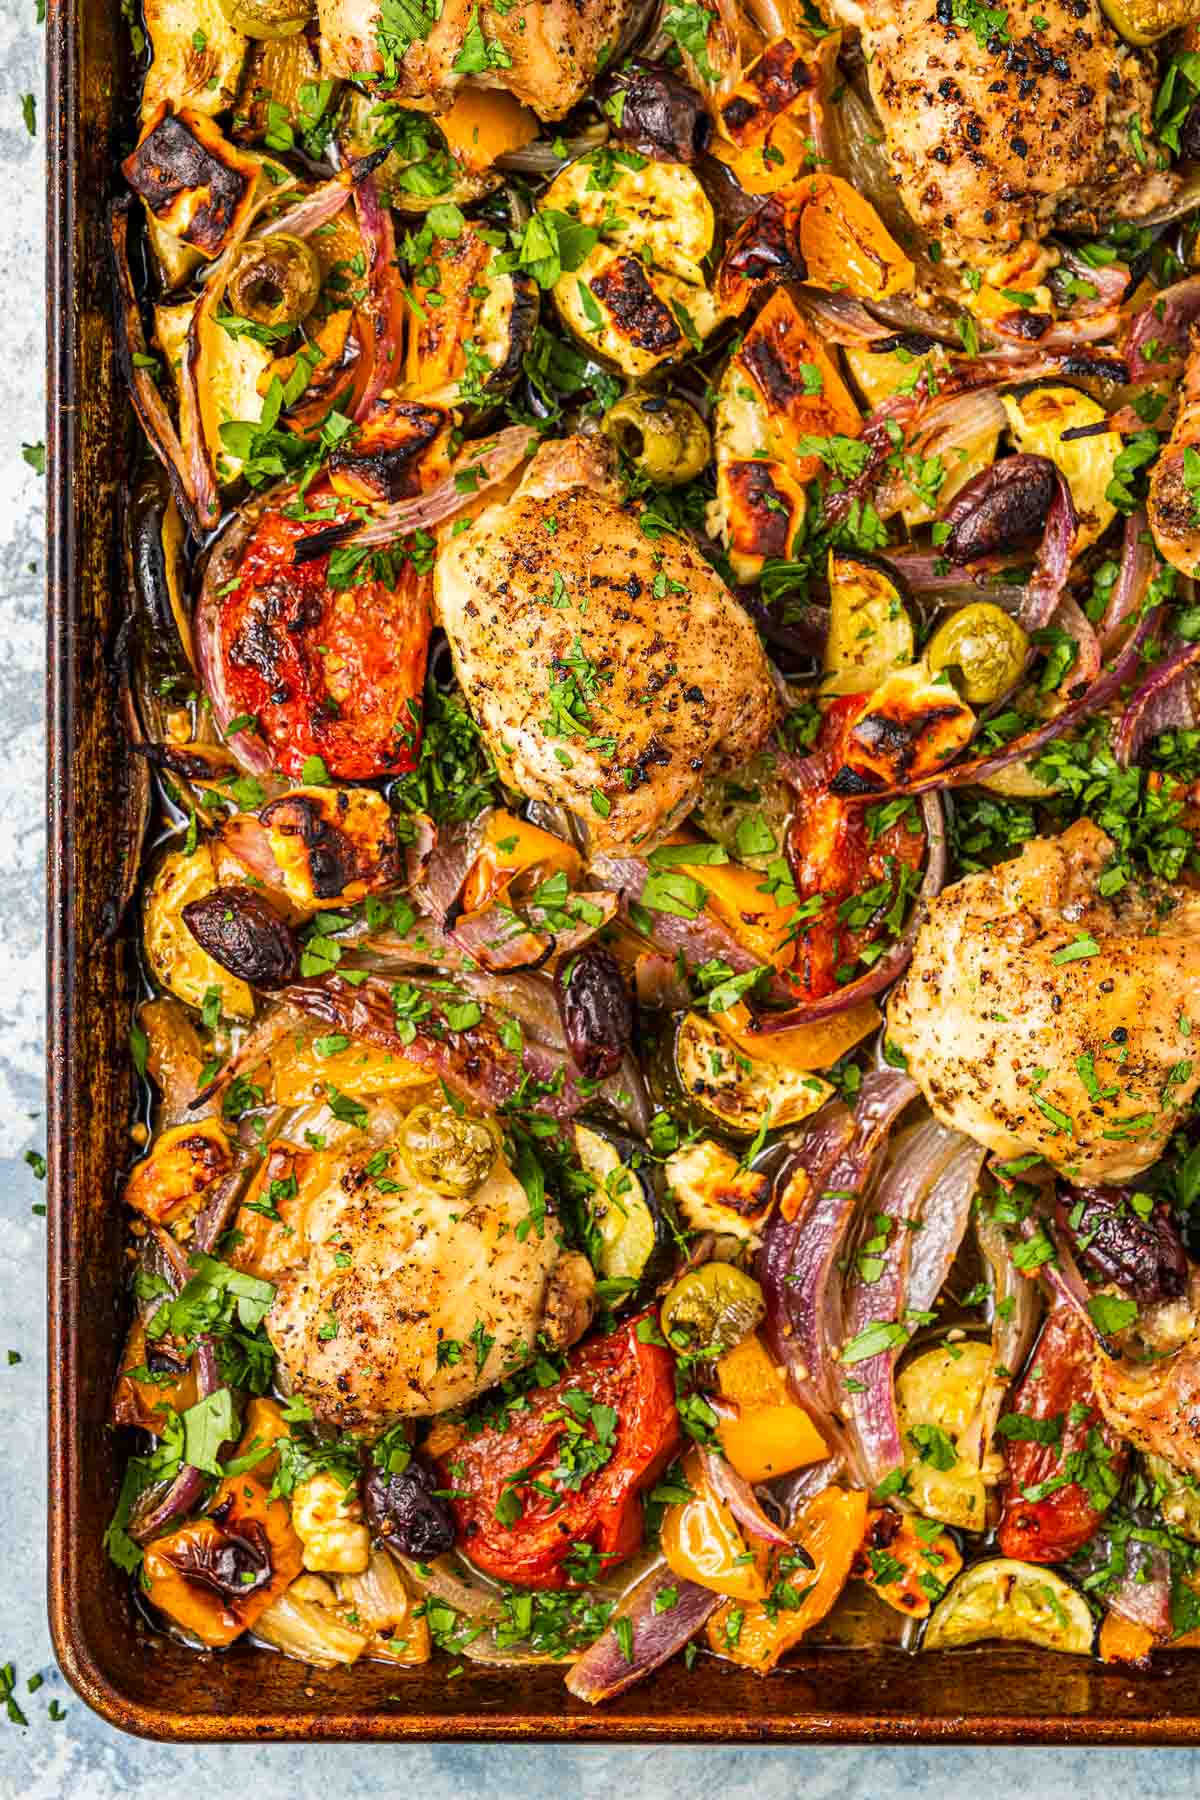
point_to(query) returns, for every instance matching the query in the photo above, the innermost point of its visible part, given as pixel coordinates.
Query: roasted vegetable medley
(660, 663)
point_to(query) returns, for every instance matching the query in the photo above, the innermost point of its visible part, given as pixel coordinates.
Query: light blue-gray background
(79, 1757)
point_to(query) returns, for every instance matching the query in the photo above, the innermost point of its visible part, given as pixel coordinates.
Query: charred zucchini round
(629, 1236)
(870, 630)
(731, 1092)
(1020, 1602)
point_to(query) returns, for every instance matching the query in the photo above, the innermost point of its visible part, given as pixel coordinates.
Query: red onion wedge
(1052, 568)
(654, 1636)
(160, 1506)
(877, 1292)
(740, 1498)
(490, 461)
(820, 1193)
(1164, 324)
(891, 964)
(1106, 687)
(384, 306)
(1163, 702)
(1138, 563)
(148, 403)
(1015, 1314)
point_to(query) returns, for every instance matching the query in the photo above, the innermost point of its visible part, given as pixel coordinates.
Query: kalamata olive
(450, 1151)
(663, 436)
(654, 113)
(274, 280)
(712, 1308)
(985, 646)
(1189, 133)
(1000, 508)
(1126, 1237)
(405, 1512)
(240, 930)
(596, 1010)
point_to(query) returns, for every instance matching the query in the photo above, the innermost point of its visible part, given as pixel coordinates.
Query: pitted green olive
(275, 280)
(666, 438)
(985, 646)
(712, 1308)
(267, 18)
(449, 1151)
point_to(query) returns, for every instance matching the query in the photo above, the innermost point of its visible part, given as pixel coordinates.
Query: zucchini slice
(1019, 1602)
(629, 1235)
(870, 631)
(739, 1094)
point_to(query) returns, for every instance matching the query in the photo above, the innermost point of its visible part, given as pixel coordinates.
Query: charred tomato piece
(567, 1468)
(334, 673)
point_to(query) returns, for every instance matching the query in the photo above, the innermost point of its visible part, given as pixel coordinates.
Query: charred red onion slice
(1109, 282)
(1164, 323)
(798, 1262)
(472, 1062)
(1053, 565)
(1073, 621)
(1015, 1314)
(314, 210)
(868, 1387)
(1163, 702)
(892, 963)
(491, 461)
(1138, 563)
(1106, 687)
(659, 985)
(383, 307)
(654, 1636)
(186, 1488)
(739, 1497)
(454, 853)
(151, 408)
(944, 1220)
(700, 939)
(1142, 1594)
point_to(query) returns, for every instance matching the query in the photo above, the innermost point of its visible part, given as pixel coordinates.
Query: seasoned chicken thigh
(1039, 1018)
(993, 139)
(610, 672)
(1156, 1405)
(545, 52)
(394, 1300)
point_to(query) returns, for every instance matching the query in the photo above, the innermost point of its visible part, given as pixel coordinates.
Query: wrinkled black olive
(1189, 133)
(404, 1510)
(235, 1564)
(661, 116)
(1001, 508)
(595, 1009)
(1144, 1256)
(239, 930)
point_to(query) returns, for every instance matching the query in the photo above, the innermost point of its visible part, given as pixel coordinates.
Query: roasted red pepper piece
(832, 854)
(1086, 1451)
(569, 1466)
(335, 674)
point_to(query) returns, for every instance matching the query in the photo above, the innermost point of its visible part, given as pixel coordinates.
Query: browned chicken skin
(1156, 1405)
(1038, 1018)
(546, 52)
(992, 142)
(610, 671)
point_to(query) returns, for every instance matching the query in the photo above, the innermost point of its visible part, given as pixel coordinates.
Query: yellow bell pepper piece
(702, 1543)
(736, 896)
(297, 1074)
(770, 1435)
(831, 1530)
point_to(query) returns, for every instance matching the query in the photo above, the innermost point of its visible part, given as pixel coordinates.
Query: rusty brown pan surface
(135, 1678)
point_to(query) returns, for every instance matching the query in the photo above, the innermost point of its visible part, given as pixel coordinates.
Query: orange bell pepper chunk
(770, 1435)
(907, 1569)
(509, 847)
(702, 1543)
(737, 896)
(802, 1047)
(1121, 1641)
(831, 1530)
(845, 243)
(484, 124)
(217, 1618)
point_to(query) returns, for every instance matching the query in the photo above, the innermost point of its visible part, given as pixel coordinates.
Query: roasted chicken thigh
(1039, 1018)
(993, 138)
(545, 52)
(610, 671)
